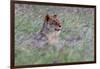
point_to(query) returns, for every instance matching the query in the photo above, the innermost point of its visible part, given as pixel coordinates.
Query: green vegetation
(77, 33)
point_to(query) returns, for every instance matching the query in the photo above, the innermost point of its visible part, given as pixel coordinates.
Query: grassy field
(77, 43)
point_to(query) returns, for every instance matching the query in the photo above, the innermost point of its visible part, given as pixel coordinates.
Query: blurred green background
(77, 34)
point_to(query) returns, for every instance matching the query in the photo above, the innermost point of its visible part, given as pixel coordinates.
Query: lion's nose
(59, 25)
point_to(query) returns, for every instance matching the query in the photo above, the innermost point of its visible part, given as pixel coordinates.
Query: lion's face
(53, 23)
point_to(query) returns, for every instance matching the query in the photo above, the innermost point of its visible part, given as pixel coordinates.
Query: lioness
(49, 32)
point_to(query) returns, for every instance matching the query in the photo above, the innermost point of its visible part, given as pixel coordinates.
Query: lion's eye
(54, 22)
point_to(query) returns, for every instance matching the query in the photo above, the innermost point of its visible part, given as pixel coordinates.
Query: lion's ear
(55, 16)
(47, 17)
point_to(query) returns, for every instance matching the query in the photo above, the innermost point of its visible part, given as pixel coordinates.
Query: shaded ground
(76, 38)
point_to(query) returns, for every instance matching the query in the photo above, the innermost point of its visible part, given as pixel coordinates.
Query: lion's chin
(57, 29)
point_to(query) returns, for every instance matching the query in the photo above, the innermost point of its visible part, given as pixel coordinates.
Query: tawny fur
(50, 30)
